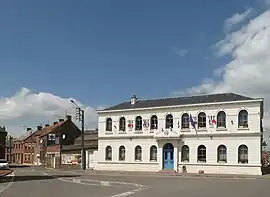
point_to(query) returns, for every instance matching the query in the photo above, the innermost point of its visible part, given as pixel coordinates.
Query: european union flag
(192, 122)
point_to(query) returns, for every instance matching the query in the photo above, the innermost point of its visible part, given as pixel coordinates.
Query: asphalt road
(42, 183)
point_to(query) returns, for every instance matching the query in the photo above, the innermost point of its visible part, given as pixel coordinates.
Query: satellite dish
(63, 136)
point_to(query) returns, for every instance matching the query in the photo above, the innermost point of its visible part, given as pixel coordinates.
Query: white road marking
(76, 180)
(128, 193)
(105, 183)
(138, 187)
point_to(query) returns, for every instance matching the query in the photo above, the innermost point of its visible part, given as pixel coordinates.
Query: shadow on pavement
(35, 177)
(18, 166)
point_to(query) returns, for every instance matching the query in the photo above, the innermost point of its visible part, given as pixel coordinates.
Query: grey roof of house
(24, 135)
(2, 129)
(165, 102)
(92, 145)
(87, 136)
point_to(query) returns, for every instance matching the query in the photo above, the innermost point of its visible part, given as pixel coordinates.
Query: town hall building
(218, 133)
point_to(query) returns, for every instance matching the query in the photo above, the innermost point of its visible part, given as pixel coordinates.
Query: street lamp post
(80, 116)
(10, 146)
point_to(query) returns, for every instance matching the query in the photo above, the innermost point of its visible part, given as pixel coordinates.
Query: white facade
(208, 158)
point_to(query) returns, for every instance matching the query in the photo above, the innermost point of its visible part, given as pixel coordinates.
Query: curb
(263, 177)
(4, 175)
(119, 173)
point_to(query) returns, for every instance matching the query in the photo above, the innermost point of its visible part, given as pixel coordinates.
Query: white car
(3, 163)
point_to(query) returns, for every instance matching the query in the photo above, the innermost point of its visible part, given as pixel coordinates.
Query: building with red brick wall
(23, 151)
(36, 148)
(51, 142)
(26, 149)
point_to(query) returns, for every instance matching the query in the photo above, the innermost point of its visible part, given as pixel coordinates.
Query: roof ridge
(44, 129)
(199, 95)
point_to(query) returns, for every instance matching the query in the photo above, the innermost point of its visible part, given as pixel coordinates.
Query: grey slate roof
(212, 98)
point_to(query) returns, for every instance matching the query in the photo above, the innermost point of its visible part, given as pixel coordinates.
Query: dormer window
(169, 121)
(109, 124)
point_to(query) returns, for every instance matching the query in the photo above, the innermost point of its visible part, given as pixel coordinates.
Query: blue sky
(101, 52)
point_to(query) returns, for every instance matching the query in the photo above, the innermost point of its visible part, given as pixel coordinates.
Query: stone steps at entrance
(167, 171)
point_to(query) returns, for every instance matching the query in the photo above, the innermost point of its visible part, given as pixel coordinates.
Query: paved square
(43, 183)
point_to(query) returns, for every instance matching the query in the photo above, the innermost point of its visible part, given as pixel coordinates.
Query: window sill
(201, 161)
(138, 160)
(242, 162)
(108, 132)
(152, 161)
(243, 128)
(122, 132)
(185, 161)
(221, 129)
(152, 130)
(138, 131)
(185, 130)
(222, 162)
(201, 129)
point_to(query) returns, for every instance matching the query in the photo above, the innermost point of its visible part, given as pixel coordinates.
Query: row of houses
(219, 133)
(53, 145)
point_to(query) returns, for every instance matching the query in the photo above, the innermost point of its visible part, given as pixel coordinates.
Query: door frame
(167, 149)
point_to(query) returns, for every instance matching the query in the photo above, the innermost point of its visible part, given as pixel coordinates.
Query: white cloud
(237, 18)
(27, 109)
(180, 51)
(248, 70)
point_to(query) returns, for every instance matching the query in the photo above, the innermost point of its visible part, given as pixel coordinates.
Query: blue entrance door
(168, 156)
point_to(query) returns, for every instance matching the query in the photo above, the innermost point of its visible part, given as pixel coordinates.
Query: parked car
(3, 164)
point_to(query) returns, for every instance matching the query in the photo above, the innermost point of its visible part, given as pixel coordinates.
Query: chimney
(46, 125)
(133, 99)
(55, 123)
(61, 120)
(68, 117)
(28, 129)
(39, 128)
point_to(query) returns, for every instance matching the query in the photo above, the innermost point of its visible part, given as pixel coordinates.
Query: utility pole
(10, 148)
(80, 116)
